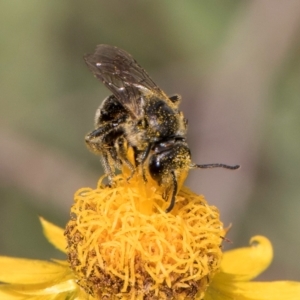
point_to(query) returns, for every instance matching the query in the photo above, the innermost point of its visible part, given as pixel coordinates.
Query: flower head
(122, 245)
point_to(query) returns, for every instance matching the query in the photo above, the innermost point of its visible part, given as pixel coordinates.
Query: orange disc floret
(122, 245)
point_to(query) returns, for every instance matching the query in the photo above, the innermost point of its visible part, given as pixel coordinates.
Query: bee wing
(123, 76)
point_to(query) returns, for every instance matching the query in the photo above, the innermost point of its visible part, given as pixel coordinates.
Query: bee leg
(142, 158)
(122, 151)
(107, 165)
(98, 134)
(174, 192)
(95, 141)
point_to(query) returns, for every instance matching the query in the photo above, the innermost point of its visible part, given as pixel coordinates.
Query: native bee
(139, 115)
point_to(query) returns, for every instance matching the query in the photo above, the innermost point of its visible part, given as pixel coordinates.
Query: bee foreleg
(122, 151)
(141, 158)
(107, 165)
(97, 143)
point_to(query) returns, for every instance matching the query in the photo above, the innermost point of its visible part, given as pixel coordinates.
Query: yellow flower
(37, 279)
(122, 245)
(117, 242)
(240, 266)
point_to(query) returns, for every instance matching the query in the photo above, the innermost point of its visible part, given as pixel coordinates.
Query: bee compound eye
(155, 167)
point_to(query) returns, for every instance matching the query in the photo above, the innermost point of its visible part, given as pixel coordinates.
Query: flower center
(122, 245)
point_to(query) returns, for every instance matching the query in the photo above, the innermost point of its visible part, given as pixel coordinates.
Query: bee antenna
(210, 166)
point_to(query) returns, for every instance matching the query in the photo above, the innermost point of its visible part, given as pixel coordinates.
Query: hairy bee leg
(174, 192)
(123, 155)
(107, 167)
(142, 158)
(100, 132)
(94, 141)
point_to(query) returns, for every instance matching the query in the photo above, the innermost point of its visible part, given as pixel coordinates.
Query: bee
(141, 116)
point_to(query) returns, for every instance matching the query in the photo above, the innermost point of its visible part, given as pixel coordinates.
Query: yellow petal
(45, 289)
(24, 271)
(6, 293)
(63, 290)
(9, 295)
(63, 263)
(54, 234)
(277, 290)
(221, 287)
(247, 263)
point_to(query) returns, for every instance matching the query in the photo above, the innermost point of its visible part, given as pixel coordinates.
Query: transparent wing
(123, 76)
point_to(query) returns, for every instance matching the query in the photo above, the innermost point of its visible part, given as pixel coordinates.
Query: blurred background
(236, 65)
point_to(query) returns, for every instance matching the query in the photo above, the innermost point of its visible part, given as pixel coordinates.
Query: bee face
(139, 115)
